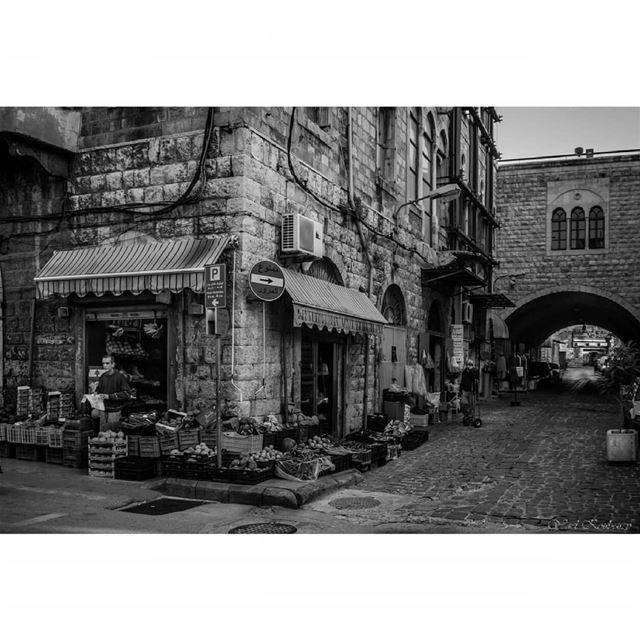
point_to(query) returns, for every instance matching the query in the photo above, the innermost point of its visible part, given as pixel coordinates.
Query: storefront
(129, 300)
(331, 327)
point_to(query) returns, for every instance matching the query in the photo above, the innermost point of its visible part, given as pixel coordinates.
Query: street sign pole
(218, 363)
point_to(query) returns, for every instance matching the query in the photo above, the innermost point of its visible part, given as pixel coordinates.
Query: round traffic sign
(266, 280)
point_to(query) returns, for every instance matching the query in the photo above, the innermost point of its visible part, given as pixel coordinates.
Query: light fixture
(445, 193)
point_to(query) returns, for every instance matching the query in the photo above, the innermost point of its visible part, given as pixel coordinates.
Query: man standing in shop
(113, 389)
(468, 390)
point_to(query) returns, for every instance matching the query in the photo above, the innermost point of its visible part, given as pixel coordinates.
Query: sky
(540, 131)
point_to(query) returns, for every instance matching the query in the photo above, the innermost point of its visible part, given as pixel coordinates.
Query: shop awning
(171, 265)
(453, 276)
(330, 306)
(498, 326)
(491, 301)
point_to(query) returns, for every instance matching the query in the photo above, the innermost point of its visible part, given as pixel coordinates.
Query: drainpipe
(367, 257)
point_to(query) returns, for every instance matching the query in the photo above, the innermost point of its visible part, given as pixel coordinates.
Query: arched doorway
(539, 315)
(393, 350)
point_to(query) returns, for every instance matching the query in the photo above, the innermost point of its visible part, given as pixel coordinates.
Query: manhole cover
(265, 527)
(162, 506)
(354, 503)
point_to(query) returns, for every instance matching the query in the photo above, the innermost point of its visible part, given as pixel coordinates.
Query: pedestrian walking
(468, 390)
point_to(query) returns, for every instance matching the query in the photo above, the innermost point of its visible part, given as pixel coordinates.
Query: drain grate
(163, 506)
(354, 503)
(265, 527)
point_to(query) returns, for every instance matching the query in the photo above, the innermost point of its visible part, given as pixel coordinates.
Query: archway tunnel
(532, 322)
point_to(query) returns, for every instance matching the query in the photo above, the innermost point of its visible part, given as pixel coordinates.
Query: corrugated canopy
(130, 266)
(330, 306)
(491, 301)
(452, 275)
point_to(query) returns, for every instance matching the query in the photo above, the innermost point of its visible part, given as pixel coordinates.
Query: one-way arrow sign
(266, 280)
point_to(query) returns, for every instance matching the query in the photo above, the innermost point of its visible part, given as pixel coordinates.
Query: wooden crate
(235, 443)
(149, 447)
(188, 438)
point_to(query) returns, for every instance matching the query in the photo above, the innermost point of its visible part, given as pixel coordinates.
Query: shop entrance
(137, 338)
(322, 375)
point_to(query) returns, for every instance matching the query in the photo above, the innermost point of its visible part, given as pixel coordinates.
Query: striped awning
(326, 305)
(133, 267)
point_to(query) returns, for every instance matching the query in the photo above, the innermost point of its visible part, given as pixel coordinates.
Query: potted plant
(621, 376)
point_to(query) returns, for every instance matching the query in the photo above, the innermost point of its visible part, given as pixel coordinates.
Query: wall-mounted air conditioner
(301, 236)
(467, 312)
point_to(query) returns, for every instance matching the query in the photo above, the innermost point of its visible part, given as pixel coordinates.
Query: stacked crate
(35, 401)
(102, 456)
(67, 405)
(22, 401)
(53, 405)
(75, 448)
(54, 445)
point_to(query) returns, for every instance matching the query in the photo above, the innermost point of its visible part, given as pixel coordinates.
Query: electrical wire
(293, 172)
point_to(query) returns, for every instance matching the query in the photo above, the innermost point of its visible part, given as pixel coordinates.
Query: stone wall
(523, 207)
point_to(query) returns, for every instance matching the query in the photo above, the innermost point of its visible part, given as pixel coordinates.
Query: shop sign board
(215, 286)
(457, 338)
(266, 280)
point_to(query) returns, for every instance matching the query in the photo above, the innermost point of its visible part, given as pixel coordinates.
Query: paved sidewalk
(542, 464)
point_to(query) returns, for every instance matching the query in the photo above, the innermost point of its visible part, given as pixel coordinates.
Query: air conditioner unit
(467, 312)
(301, 236)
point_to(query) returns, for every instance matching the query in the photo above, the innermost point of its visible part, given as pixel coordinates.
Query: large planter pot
(622, 445)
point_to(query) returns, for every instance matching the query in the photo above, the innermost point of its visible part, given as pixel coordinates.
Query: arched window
(325, 270)
(596, 228)
(578, 228)
(393, 307)
(558, 230)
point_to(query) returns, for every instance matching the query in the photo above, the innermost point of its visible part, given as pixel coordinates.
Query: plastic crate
(235, 443)
(134, 475)
(42, 436)
(133, 445)
(168, 442)
(341, 462)
(378, 454)
(75, 440)
(26, 452)
(172, 467)
(149, 447)
(197, 470)
(414, 439)
(55, 437)
(251, 476)
(75, 459)
(53, 455)
(14, 433)
(7, 450)
(188, 438)
(361, 457)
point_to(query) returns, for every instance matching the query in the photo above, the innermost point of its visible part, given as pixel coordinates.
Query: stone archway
(539, 315)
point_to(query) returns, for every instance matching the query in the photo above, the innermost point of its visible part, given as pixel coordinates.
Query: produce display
(397, 428)
(194, 454)
(254, 460)
(125, 348)
(103, 451)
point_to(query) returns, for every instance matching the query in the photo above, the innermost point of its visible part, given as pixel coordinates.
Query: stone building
(569, 234)
(108, 216)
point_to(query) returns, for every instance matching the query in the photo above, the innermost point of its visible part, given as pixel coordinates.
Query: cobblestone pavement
(541, 465)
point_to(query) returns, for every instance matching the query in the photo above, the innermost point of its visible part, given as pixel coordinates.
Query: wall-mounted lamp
(445, 193)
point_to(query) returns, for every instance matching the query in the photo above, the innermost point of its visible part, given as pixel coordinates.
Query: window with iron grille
(559, 230)
(596, 228)
(578, 228)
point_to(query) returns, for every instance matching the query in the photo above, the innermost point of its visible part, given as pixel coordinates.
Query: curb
(276, 492)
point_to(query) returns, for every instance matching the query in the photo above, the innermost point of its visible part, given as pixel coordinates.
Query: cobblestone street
(542, 464)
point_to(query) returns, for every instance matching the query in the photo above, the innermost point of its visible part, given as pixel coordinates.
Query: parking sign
(215, 286)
